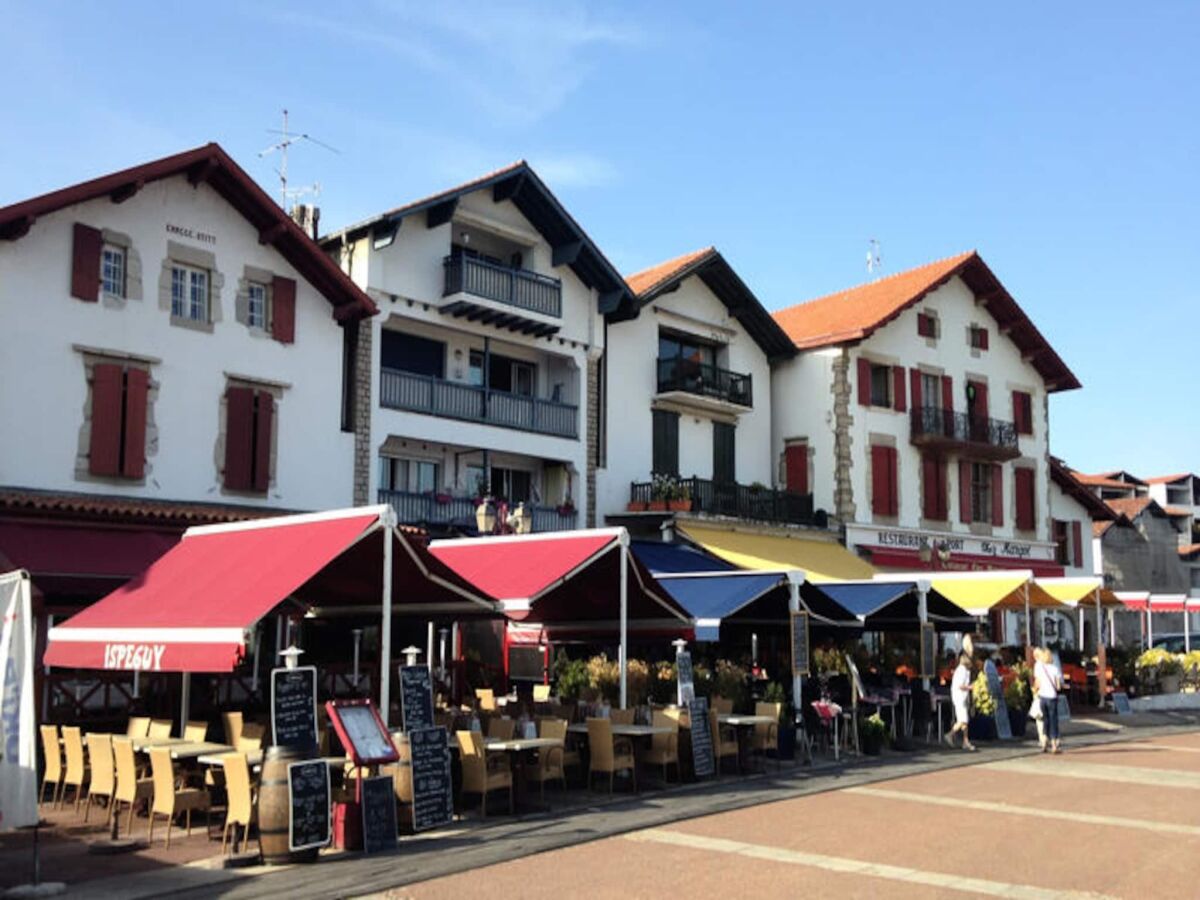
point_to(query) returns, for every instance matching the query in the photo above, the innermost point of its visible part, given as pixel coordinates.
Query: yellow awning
(1074, 591)
(979, 596)
(820, 560)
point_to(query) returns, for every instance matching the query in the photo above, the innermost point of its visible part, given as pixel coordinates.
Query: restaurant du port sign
(966, 545)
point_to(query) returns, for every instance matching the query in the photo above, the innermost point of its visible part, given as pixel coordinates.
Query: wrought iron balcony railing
(678, 374)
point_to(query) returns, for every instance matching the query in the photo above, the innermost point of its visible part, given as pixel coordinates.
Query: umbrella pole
(1028, 630)
(385, 628)
(185, 701)
(1101, 656)
(624, 614)
(1187, 631)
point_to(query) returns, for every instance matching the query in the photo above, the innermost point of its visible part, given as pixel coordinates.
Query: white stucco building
(173, 349)
(689, 394)
(482, 372)
(917, 410)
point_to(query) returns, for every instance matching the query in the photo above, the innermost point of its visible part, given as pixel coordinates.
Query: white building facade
(917, 410)
(480, 376)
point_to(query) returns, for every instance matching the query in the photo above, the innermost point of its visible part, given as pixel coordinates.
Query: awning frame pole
(1187, 631)
(385, 629)
(185, 701)
(1149, 623)
(1101, 656)
(1028, 630)
(795, 579)
(622, 656)
(429, 646)
(923, 588)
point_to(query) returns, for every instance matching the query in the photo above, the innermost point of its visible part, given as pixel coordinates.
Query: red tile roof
(1177, 510)
(212, 165)
(1071, 486)
(1099, 528)
(25, 501)
(856, 313)
(1167, 479)
(1130, 507)
(645, 281)
(1189, 550)
(1102, 481)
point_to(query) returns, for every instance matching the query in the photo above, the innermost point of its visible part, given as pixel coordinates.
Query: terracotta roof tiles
(648, 279)
(1130, 507)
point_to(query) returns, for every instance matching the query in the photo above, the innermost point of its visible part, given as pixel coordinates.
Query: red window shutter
(1017, 413)
(997, 495)
(137, 386)
(929, 492)
(1077, 542)
(983, 338)
(893, 481)
(795, 457)
(898, 401)
(947, 393)
(85, 263)
(239, 438)
(1025, 499)
(880, 478)
(964, 491)
(283, 310)
(914, 384)
(262, 441)
(104, 448)
(864, 382)
(981, 399)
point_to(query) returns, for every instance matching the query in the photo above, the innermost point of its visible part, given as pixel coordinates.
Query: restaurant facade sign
(143, 657)
(902, 547)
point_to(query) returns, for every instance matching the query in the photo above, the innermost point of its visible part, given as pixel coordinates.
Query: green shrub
(571, 678)
(1017, 694)
(985, 703)
(730, 682)
(1156, 662)
(662, 688)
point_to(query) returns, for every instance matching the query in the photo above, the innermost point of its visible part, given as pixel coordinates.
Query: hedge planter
(1017, 720)
(982, 728)
(1169, 684)
(787, 742)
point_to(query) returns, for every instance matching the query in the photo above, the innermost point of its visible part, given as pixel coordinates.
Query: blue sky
(1060, 140)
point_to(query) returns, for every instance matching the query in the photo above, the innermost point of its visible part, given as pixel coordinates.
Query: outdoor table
(743, 721)
(196, 749)
(254, 758)
(142, 744)
(830, 712)
(630, 731)
(940, 700)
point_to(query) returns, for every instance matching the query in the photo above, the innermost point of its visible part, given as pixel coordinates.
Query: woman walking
(960, 695)
(1047, 682)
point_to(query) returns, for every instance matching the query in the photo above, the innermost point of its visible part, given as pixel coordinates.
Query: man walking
(960, 695)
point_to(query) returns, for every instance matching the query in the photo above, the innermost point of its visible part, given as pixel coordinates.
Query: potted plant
(567, 507)
(982, 726)
(1191, 671)
(662, 488)
(1157, 666)
(680, 499)
(872, 732)
(1017, 697)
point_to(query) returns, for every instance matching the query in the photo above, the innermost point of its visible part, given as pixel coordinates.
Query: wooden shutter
(947, 393)
(964, 491)
(914, 384)
(283, 310)
(239, 438)
(929, 491)
(665, 440)
(981, 399)
(104, 446)
(724, 453)
(997, 495)
(898, 402)
(1023, 479)
(1077, 542)
(983, 338)
(137, 387)
(264, 413)
(1022, 412)
(879, 480)
(864, 382)
(795, 460)
(85, 263)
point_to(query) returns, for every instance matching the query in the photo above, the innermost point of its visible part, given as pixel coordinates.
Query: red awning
(910, 560)
(190, 610)
(1167, 603)
(1137, 601)
(569, 579)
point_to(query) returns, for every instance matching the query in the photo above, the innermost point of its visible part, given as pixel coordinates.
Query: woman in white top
(1047, 682)
(960, 695)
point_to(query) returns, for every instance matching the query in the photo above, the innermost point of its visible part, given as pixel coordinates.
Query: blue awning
(893, 605)
(659, 557)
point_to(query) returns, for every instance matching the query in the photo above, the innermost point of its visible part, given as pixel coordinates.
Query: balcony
(703, 385)
(444, 510)
(516, 299)
(453, 400)
(759, 504)
(955, 432)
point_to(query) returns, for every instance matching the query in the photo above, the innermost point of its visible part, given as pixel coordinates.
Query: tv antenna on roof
(874, 258)
(289, 138)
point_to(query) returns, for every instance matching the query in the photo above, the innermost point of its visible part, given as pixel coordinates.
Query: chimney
(307, 217)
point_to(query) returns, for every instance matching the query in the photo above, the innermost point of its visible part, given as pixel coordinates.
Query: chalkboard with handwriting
(294, 706)
(799, 643)
(432, 788)
(683, 669)
(379, 814)
(416, 698)
(308, 804)
(703, 761)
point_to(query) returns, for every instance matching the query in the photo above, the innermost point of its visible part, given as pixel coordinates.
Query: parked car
(1175, 643)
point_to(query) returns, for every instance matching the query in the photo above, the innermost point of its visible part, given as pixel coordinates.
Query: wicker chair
(766, 735)
(103, 781)
(608, 755)
(724, 741)
(481, 773)
(170, 800)
(664, 748)
(240, 808)
(53, 774)
(76, 775)
(130, 786)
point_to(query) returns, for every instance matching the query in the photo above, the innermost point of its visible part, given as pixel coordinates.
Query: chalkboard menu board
(308, 804)
(996, 689)
(928, 651)
(294, 706)
(361, 731)
(379, 814)
(703, 761)
(1121, 703)
(433, 791)
(683, 671)
(799, 643)
(416, 698)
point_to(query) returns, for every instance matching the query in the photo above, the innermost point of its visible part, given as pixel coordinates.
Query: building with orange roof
(917, 408)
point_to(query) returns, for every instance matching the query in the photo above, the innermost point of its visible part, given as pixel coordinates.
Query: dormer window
(978, 338)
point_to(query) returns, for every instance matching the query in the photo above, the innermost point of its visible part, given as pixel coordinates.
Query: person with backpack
(1047, 683)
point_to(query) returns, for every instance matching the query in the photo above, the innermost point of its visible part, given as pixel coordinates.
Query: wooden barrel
(273, 807)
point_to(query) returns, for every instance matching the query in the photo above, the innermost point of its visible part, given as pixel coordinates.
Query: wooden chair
(541, 693)
(52, 754)
(550, 764)
(501, 729)
(486, 698)
(570, 755)
(130, 786)
(103, 780)
(251, 738)
(196, 732)
(232, 723)
(159, 728)
(170, 800)
(138, 727)
(481, 773)
(664, 748)
(240, 807)
(724, 741)
(608, 755)
(76, 774)
(721, 705)
(621, 716)
(766, 735)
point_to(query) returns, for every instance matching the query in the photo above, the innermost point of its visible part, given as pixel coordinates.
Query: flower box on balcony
(635, 506)
(658, 505)
(442, 498)
(680, 505)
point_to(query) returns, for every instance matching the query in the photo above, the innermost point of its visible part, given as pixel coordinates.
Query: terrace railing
(761, 504)
(949, 429)
(678, 374)
(521, 288)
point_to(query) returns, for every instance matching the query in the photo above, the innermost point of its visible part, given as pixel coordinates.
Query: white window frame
(407, 469)
(188, 306)
(981, 492)
(120, 264)
(889, 383)
(257, 319)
